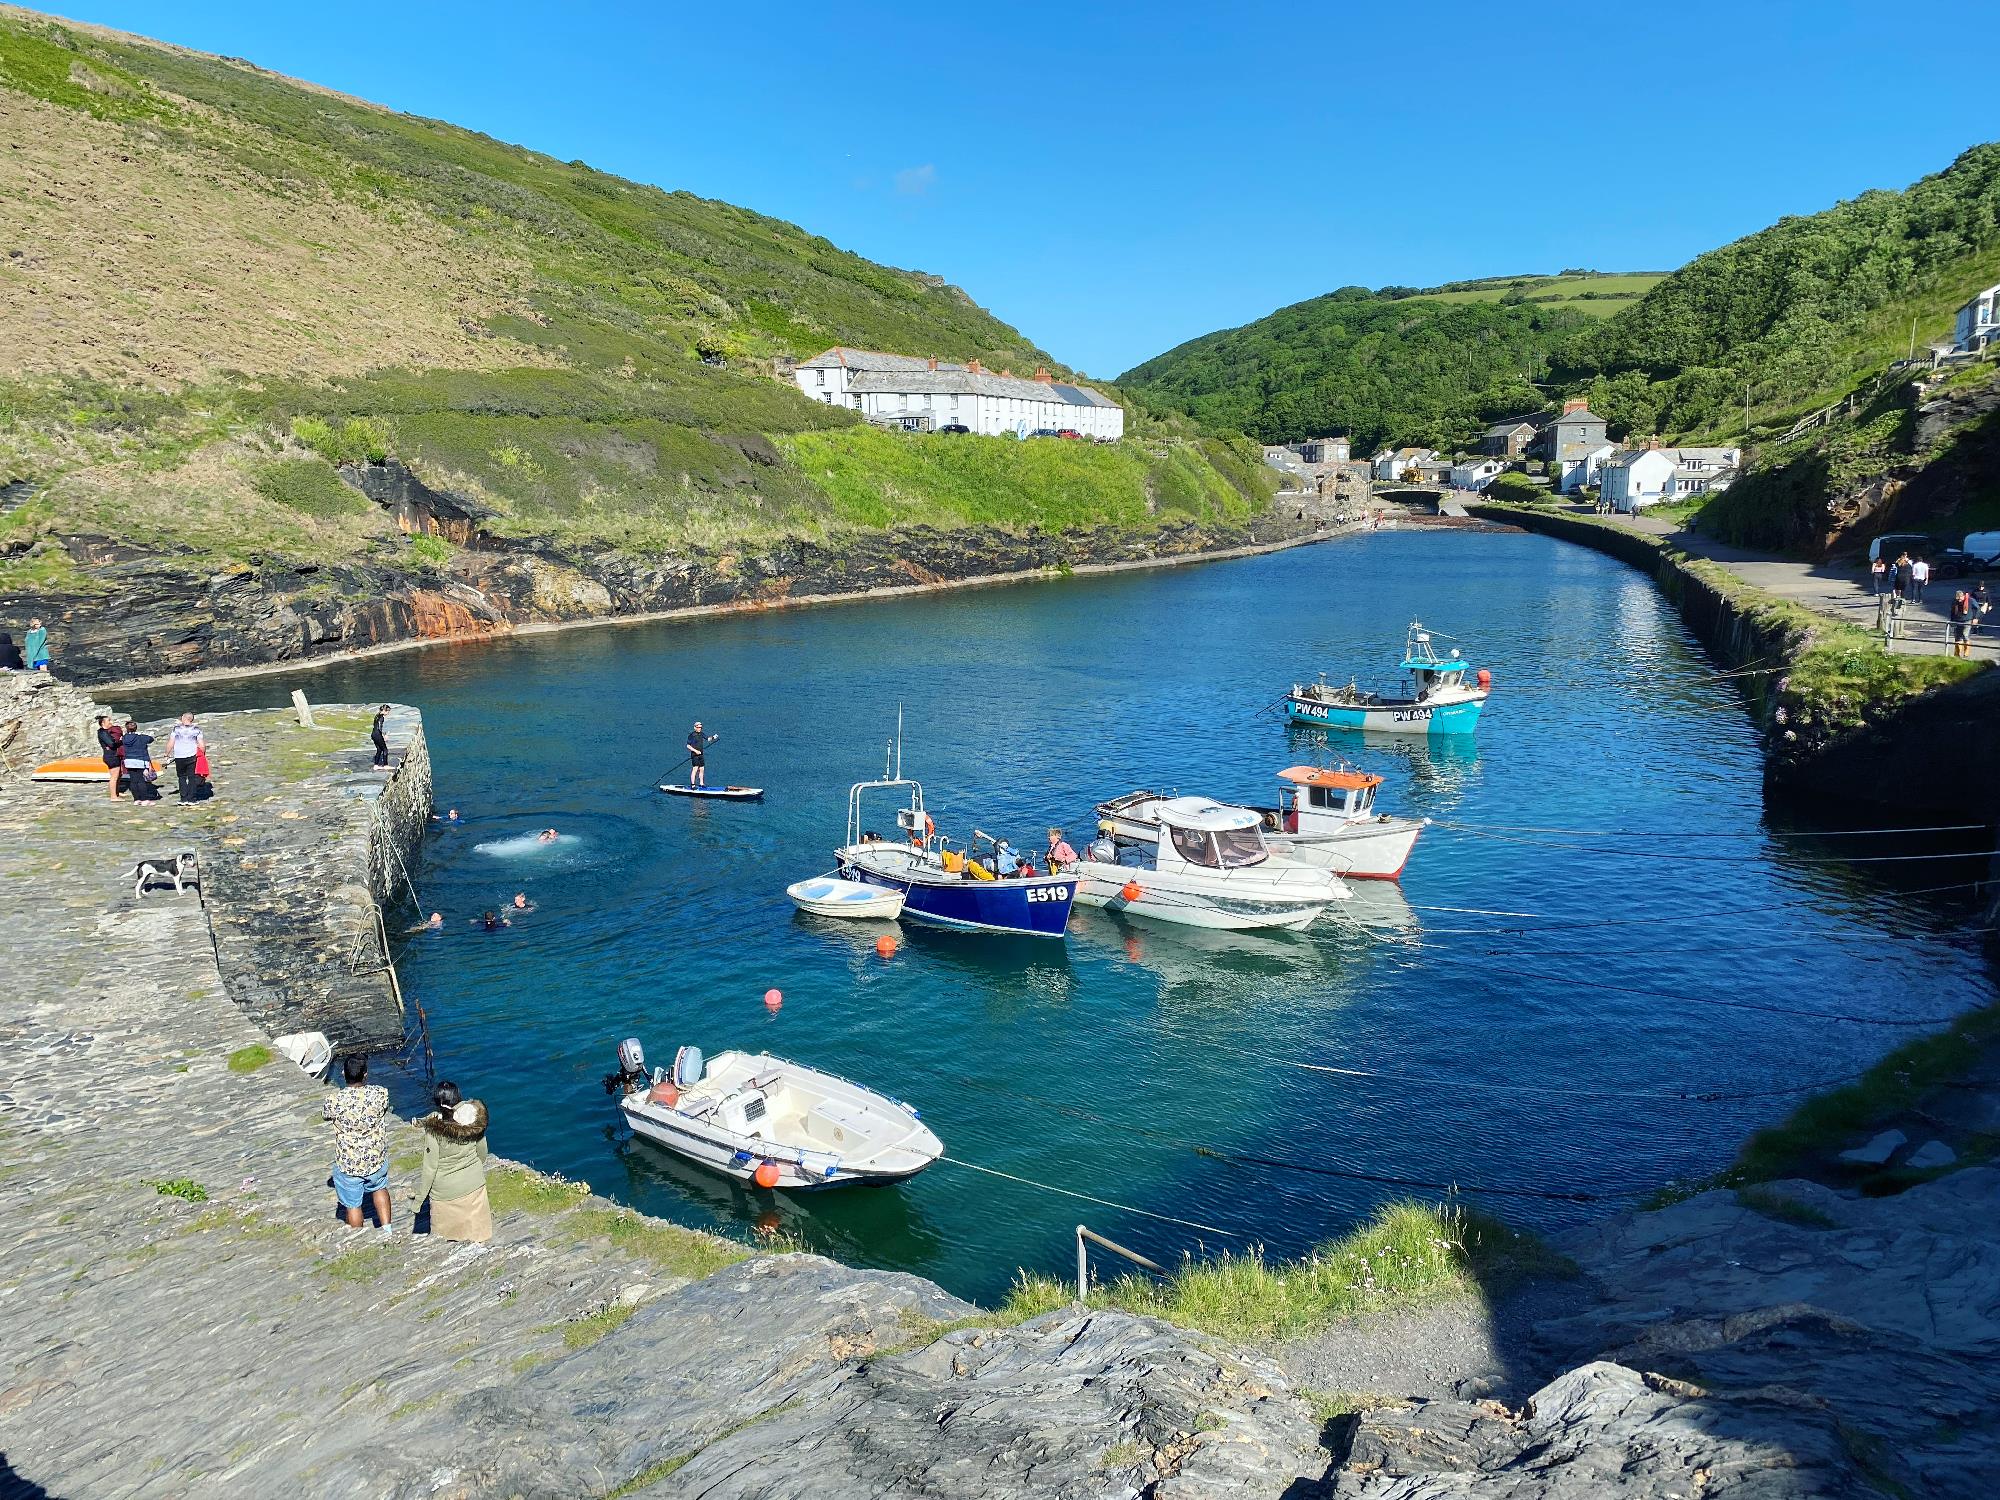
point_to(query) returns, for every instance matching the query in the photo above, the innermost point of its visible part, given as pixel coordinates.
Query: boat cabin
(1200, 834)
(1316, 799)
(1428, 671)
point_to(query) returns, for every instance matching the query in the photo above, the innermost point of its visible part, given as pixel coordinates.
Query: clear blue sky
(1114, 179)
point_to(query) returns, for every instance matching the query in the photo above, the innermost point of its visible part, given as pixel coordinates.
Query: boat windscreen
(1192, 845)
(1239, 846)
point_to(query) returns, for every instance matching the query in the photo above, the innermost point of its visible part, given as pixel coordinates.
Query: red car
(1068, 432)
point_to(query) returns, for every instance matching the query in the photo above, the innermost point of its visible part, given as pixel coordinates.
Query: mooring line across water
(1559, 920)
(1683, 857)
(1049, 1187)
(1675, 833)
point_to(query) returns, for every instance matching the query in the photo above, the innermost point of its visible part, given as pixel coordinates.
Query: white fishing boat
(1325, 816)
(1207, 866)
(761, 1119)
(309, 1049)
(830, 896)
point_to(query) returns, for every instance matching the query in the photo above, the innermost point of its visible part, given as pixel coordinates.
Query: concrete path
(1832, 589)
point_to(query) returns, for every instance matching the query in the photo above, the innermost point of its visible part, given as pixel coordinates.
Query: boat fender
(689, 1065)
(1485, 678)
(767, 1174)
(665, 1093)
(1132, 891)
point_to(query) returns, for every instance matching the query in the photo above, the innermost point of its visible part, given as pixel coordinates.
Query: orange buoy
(1131, 892)
(767, 1174)
(885, 946)
(665, 1093)
(773, 999)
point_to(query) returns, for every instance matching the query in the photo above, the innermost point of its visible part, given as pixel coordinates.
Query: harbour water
(1663, 995)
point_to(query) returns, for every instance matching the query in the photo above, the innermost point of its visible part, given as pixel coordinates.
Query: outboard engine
(631, 1074)
(689, 1065)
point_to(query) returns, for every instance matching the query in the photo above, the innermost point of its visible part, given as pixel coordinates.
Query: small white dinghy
(761, 1119)
(830, 896)
(309, 1049)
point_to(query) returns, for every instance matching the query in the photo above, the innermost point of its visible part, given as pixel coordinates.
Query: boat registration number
(1412, 715)
(1048, 893)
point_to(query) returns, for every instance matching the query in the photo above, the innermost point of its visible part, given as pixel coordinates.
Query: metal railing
(1083, 1233)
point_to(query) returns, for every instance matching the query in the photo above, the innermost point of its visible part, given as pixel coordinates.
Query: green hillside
(1399, 364)
(216, 283)
(1800, 313)
(1598, 293)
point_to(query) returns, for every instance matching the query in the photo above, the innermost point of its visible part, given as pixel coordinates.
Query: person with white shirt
(184, 743)
(1920, 574)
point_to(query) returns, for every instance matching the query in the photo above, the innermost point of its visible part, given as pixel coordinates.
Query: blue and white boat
(936, 895)
(1440, 700)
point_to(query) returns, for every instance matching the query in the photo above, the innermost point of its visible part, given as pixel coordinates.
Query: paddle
(683, 761)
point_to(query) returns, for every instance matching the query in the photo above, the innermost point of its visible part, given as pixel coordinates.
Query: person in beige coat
(453, 1176)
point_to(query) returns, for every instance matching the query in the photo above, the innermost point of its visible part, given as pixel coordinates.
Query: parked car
(1984, 545)
(954, 427)
(1068, 432)
(1045, 432)
(1951, 562)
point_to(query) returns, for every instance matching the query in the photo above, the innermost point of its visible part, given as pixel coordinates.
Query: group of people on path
(31, 655)
(128, 759)
(1901, 583)
(452, 1177)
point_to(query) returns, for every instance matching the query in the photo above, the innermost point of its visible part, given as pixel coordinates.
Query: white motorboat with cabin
(1325, 816)
(775, 1123)
(1207, 866)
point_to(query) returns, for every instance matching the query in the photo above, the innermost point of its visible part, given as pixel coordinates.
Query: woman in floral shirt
(360, 1143)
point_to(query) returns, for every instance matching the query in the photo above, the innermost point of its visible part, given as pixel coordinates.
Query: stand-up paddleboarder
(697, 743)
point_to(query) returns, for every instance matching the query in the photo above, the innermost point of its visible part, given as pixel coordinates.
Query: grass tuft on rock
(249, 1059)
(676, 1251)
(516, 1190)
(1773, 1204)
(1409, 1255)
(585, 1331)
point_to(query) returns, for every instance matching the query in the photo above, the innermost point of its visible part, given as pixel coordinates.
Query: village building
(923, 395)
(1399, 463)
(1511, 438)
(1575, 446)
(1635, 478)
(1476, 473)
(1324, 450)
(1975, 327)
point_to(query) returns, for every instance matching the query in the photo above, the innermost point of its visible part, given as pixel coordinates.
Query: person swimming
(449, 816)
(521, 902)
(549, 836)
(492, 921)
(435, 922)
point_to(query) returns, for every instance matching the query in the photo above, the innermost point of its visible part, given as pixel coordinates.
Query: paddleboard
(719, 793)
(77, 768)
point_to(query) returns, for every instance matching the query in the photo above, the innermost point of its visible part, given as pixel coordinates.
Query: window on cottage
(822, 376)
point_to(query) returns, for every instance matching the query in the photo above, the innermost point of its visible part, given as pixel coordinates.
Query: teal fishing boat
(1440, 700)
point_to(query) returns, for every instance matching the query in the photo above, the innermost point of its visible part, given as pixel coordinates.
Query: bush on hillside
(309, 486)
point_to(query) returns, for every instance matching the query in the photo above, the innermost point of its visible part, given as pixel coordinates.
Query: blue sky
(1114, 179)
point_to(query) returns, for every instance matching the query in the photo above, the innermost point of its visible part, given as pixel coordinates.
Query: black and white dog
(181, 869)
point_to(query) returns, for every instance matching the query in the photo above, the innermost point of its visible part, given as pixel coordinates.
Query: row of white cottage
(900, 390)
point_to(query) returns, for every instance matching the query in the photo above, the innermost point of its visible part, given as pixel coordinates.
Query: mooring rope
(1049, 1187)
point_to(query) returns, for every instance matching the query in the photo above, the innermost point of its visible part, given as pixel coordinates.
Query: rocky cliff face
(152, 615)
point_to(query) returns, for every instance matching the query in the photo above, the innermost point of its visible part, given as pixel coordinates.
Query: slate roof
(943, 382)
(869, 359)
(1572, 418)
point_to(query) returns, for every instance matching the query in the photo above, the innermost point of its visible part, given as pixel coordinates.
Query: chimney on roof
(1008, 371)
(1653, 442)
(1575, 404)
(841, 355)
(933, 361)
(972, 367)
(1044, 376)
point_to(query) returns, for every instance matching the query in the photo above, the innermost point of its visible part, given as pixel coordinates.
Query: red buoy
(885, 946)
(773, 999)
(767, 1174)
(1131, 892)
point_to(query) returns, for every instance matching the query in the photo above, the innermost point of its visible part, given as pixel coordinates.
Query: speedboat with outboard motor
(942, 889)
(1208, 866)
(1325, 817)
(761, 1119)
(1439, 700)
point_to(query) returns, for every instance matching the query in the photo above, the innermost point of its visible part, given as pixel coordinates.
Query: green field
(1599, 295)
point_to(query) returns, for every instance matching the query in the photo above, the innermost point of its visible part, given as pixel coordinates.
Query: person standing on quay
(185, 742)
(1961, 623)
(1920, 574)
(110, 740)
(35, 646)
(137, 748)
(360, 1143)
(1878, 573)
(453, 1176)
(381, 740)
(1903, 575)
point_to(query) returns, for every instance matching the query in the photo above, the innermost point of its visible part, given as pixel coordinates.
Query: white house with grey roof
(900, 390)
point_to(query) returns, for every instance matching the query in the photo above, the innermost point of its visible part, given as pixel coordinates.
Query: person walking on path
(185, 743)
(360, 1143)
(453, 1176)
(35, 646)
(137, 748)
(1981, 603)
(1903, 576)
(1878, 573)
(697, 758)
(1961, 623)
(381, 740)
(1920, 574)
(110, 743)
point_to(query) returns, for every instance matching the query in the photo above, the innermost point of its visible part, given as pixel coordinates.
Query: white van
(1984, 545)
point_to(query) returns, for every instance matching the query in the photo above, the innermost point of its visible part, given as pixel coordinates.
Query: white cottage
(1976, 326)
(1398, 463)
(899, 390)
(1635, 478)
(1475, 473)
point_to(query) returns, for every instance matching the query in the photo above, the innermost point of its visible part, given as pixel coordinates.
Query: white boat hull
(818, 1130)
(830, 896)
(1367, 849)
(1221, 902)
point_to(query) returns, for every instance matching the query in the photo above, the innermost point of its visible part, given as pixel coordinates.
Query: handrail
(1084, 1232)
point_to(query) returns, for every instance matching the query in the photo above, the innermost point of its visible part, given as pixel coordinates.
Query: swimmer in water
(451, 816)
(492, 921)
(435, 923)
(549, 836)
(521, 902)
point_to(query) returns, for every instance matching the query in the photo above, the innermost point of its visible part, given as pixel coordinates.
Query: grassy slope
(1600, 294)
(220, 265)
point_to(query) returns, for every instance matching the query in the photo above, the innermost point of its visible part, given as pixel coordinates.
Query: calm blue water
(1524, 1054)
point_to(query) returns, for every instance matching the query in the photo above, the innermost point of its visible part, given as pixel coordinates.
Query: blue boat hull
(1389, 718)
(1025, 908)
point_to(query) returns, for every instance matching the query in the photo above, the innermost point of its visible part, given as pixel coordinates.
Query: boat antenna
(899, 740)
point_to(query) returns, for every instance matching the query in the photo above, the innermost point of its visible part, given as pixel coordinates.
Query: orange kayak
(77, 768)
